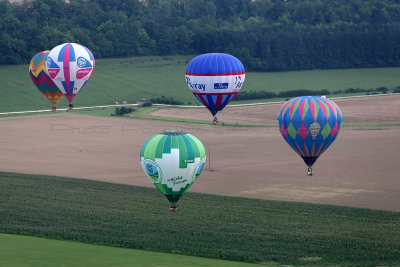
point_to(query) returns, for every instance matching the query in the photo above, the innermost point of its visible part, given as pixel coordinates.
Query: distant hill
(266, 35)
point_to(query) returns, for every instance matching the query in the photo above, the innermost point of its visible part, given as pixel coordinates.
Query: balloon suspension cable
(173, 208)
(309, 171)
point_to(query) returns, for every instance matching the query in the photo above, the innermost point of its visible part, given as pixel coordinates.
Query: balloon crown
(173, 132)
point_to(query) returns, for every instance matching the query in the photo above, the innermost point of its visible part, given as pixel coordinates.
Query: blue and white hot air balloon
(215, 79)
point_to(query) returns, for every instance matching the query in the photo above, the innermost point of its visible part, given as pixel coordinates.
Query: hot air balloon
(42, 80)
(310, 124)
(173, 160)
(70, 66)
(215, 79)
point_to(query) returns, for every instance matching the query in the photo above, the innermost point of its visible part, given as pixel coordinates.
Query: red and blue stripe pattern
(67, 55)
(215, 79)
(214, 102)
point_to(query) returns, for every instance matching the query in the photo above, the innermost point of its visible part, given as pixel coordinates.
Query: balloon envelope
(173, 160)
(42, 80)
(70, 66)
(310, 124)
(214, 79)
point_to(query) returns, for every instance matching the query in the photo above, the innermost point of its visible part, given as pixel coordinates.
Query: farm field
(254, 162)
(29, 251)
(367, 110)
(252, 179)
(89, 182)
(229, 228)
(132, 79)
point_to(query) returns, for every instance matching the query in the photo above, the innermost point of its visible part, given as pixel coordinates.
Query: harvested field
(360, 169)
(355, 110)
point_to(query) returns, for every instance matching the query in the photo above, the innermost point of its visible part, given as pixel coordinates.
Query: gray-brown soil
(360, 169)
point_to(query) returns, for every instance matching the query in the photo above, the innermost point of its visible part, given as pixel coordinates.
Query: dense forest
(266, 35)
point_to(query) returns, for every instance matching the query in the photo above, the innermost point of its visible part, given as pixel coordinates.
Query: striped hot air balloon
(42, 80)
(310, 124)
(173, 160)
(215, 79)
(70, 66)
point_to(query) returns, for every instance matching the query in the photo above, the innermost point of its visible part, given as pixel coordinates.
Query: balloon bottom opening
(310, 161)
(173, 198)
(70, 97)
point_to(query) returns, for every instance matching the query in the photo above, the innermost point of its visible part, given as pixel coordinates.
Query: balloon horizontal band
(215, 74)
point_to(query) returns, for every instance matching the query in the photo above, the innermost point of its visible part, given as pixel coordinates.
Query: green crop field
(131, 79)
(19, 250)
(229, 228)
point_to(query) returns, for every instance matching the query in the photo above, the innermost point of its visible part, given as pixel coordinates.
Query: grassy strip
(34, 251)
(143, 114)
(131, 79)
(211, 226)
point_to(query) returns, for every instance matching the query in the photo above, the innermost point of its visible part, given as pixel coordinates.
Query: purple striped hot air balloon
(70, 66)
(310, 124)
(215, 79)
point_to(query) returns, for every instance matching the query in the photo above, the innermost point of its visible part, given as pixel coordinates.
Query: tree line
(266, 35)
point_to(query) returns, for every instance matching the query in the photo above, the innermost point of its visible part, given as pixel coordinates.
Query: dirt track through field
(360, 169)
(355, 110)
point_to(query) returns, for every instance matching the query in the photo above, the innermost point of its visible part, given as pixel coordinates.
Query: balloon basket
(215, 121)
(309, 172)
(173, 208)
(53, 109)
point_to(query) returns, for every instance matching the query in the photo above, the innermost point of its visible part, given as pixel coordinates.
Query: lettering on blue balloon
(195, 86)
(219, 86)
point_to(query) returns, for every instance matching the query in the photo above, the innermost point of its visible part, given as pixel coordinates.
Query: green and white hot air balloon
(173, 160)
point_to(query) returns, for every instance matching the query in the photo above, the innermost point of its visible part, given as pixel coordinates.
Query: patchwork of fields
(248, 172)
(248, 162)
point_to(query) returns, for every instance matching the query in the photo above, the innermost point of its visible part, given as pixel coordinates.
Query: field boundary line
(272, 103)
(181, 106)
(66, 109)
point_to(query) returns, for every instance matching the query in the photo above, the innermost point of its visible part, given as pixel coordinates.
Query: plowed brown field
(360, 169)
